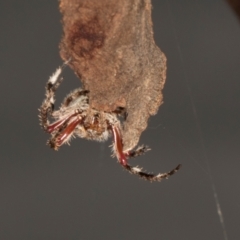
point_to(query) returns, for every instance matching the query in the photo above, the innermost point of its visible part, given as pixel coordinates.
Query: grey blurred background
(80, 192)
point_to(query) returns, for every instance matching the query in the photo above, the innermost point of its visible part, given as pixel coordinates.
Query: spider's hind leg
(138, 152)
(47, 106)
(122, 158)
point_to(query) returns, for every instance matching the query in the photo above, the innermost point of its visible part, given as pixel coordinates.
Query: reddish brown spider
(76, 118)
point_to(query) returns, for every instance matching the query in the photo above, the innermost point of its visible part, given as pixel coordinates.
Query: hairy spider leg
(138, 152)
(51, 87)
(122, 157)
(118, 146)
(56, 75)
(57, 124)
(65, 135)
(129, 154)
(74, 95)
(67, 132)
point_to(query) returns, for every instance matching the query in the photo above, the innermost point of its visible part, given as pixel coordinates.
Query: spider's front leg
(47, 106)
(122, 157)
(63, 136)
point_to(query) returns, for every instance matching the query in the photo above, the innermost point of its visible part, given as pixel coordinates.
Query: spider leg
(74, 95)
(65, 135)
(122, 157)
(138, 152)
(47, 106)
(60, 123)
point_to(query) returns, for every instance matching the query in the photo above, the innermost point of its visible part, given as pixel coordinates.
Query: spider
(75, 117)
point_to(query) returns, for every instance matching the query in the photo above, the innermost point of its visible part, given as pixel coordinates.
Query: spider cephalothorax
(76, 118)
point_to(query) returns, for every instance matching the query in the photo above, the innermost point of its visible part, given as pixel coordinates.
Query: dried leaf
(114, 54)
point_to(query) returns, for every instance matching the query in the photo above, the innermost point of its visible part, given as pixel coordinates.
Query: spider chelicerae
(75, 117)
